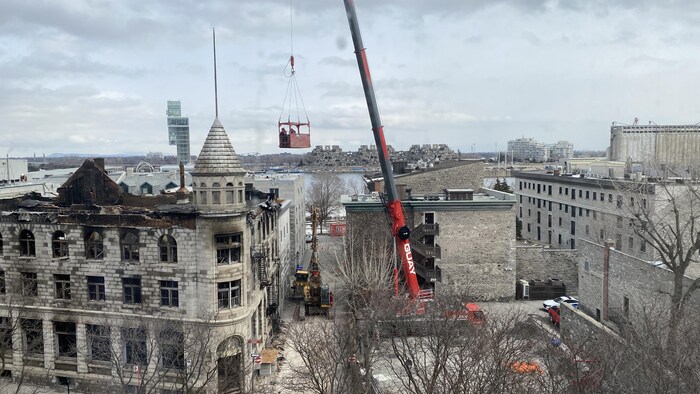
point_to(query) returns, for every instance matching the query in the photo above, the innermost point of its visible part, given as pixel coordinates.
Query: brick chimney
(99, 163)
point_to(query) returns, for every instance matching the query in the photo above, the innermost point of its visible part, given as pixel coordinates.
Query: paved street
(329, 251)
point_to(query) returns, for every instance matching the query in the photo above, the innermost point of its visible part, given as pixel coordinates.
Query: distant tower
(179, 131)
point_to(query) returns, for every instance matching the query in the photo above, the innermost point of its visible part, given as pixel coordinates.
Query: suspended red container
(294, 133)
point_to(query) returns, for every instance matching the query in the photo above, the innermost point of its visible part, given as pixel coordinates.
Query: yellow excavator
(308, 284)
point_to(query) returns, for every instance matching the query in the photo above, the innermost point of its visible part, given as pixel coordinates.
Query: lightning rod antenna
(216, 91)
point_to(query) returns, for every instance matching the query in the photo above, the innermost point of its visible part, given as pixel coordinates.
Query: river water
(347, 177)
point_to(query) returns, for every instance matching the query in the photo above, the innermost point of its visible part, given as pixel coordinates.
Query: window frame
(98, 338)
(94, 245)
(224, 245)
(96, 286)
(129, 244)
(167, 248)
(61, 286)
(135, 346)
(227, 293)
(169, 294)
(30, 284)
(131, 289)
(35, 346)
(59, 244)
(27, 243)
(62, 332)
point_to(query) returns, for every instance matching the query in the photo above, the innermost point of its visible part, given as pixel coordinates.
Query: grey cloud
(43, 65)
(532, 38)
(338, 61)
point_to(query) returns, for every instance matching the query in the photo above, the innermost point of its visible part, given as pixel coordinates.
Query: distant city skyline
(80, 78)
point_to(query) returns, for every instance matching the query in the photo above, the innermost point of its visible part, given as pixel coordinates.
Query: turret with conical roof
(217, 179)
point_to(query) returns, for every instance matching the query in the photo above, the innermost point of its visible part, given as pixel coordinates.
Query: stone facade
(165, 289)
(633, 283)
(451, 175)
(288, 187)
(539, 262)
(562, 211)
(474, 242)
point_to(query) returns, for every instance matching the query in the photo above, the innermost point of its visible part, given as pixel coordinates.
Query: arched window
(229, 193)
(168, 249)
(202, 184)
(59, 244)
(93, 246)
(26, 243)
(130, 246)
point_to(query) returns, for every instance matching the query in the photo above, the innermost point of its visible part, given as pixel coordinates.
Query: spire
(216, 87)
(217, 156)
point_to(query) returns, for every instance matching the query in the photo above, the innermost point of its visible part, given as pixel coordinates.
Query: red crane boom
(398, 226)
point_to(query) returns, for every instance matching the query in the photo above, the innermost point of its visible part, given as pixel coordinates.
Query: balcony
(432, 251)
(429, 274)
(424, 229)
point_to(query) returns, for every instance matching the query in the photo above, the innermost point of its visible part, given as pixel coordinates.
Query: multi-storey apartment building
(527, 149)
(561, 209)
(104, 290)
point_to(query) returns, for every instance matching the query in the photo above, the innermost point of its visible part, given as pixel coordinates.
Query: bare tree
(17, 322)
(664, 215)
(324, 350)
(356, 186)
(156, 354)
(364, 268)
(324, 194)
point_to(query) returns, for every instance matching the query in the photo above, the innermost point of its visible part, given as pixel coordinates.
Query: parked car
(555, 302)
(309, 238)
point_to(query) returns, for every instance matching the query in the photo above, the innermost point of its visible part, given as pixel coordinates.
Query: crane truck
(400, 231)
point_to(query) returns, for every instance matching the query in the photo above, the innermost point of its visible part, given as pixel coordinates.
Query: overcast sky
(91, 76)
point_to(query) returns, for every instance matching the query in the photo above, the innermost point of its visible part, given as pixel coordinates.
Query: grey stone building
(633, 285)
(110, 291)
(561, 210)
(460, 239)
(288, 187)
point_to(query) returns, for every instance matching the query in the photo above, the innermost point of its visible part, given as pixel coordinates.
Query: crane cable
(292, 85)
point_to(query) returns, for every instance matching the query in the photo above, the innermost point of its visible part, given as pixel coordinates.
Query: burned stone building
(100, 288)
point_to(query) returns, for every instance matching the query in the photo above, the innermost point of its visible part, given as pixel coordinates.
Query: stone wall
(577, 328)
(643, 284)
(477, 242)
(539, 262)
(478, 253)
(453, 175)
